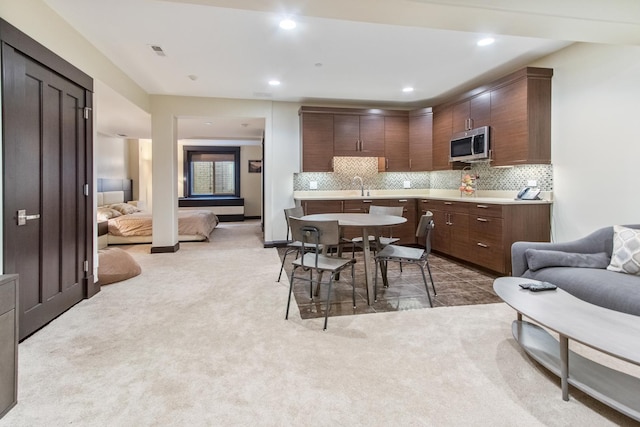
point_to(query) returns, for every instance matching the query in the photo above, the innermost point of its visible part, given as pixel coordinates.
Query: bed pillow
(625, 257)
(539, 258)
(124, 208)
(105, 214)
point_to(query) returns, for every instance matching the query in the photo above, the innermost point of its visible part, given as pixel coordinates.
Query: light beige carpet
(199, 339)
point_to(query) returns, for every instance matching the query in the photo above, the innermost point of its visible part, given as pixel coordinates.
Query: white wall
(250, 183)
(595, 143)
(112, 157)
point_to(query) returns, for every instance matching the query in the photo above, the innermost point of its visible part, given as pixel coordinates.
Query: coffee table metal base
(614, 388)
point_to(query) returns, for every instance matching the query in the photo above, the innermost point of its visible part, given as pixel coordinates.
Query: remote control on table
(543, 286)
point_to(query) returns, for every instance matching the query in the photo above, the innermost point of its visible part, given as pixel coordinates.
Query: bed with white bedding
(128, 224)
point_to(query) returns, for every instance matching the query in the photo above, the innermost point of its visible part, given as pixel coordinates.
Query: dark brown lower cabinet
(482, 233)
(8, 342)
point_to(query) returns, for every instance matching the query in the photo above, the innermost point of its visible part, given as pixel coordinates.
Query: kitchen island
(475, 229)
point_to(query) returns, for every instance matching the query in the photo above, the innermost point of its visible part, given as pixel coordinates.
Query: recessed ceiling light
(287, 24)
(208, 123)
(193, 77)
(486, 41)
(407, 89)
(274, 82)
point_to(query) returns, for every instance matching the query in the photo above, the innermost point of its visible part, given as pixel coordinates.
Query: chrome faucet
(361, 185)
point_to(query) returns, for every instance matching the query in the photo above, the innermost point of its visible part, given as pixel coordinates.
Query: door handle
(23, 217)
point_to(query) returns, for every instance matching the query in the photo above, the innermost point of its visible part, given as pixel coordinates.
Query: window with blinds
(212, 171)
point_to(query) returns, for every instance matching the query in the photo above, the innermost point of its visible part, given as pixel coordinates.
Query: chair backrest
(295, 212)
(315, 232)
(386, 210)
(425, 226)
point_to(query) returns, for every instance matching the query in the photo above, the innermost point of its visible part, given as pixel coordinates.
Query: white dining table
(370, 225)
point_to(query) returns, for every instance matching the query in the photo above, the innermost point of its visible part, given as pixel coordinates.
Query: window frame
(190, 150)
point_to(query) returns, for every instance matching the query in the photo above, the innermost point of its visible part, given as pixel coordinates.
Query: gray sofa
(588, 278)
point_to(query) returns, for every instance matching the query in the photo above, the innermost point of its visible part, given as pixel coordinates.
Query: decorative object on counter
(467, 182)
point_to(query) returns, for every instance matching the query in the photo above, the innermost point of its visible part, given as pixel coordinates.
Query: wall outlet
(532, 183)
(313, 185)
(407, 184)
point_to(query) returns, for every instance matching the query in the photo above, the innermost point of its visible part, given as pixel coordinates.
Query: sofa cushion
(540, 258)
(601, 287)
(625, 257)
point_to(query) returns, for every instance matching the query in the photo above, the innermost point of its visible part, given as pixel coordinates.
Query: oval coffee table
(608, 331)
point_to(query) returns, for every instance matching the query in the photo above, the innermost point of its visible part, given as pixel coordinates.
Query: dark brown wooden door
(44, 174)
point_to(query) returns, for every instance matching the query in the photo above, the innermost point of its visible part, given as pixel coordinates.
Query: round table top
(357, 219)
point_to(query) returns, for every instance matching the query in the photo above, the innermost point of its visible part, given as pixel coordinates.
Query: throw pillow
(625, 257)
(539, 258)
(124, 208)
(105, 214)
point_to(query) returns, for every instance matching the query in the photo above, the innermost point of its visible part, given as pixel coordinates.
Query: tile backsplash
(345, 168)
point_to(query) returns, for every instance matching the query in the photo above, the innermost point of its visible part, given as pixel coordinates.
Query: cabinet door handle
(482, 206)
(482, 219)
(402, 201)
(357, 145)
(367, 201)
(482, 245)
(386, 163)
(409, 164)
(361, 143)
(448, 203)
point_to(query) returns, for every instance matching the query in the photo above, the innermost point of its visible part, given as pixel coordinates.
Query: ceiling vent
(158, 50)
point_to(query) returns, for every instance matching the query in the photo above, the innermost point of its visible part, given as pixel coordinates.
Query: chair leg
(326, 314)
(433, 284)
(384, 267)
(353, 284)
(375, 284)
(426, 285)
(286, 316)
(284, 258)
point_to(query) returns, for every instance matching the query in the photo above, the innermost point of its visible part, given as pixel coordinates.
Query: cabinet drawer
(446, 205)
(357, 206)
(485, 209)
(322, 206)
(490, 257)
(486, 230)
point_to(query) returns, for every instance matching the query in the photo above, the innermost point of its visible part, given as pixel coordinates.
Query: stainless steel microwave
(470, 145)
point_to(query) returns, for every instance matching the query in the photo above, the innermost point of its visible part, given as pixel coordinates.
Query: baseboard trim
(275, 244)
(90, 286)
(230, 218)
(165, 249)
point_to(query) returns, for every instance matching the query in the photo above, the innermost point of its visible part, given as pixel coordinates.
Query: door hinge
(86, 112)
(85, 189)
(86, 266)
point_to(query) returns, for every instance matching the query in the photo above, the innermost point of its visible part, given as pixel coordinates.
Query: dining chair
(408, 255)
(384, 241)
(294, 245)
(317, 233)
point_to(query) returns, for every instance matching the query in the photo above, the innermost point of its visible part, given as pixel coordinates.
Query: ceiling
(358, 52)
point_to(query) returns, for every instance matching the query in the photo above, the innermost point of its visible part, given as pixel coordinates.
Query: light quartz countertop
(486, 196)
